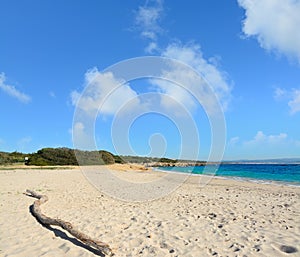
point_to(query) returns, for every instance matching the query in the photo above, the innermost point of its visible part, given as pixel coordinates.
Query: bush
(118, 159)
(66, 156)
(53, 156)
(167, 160)
(107, 157)
(11, 158)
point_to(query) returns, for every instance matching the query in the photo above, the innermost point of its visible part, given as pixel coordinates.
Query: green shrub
(53, 156)
(107, 157)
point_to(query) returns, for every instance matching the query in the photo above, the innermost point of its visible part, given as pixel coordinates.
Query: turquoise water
(285, 173)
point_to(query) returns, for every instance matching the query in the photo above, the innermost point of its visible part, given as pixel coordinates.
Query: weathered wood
(47, 221)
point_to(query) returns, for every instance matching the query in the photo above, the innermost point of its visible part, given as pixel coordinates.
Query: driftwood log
(47, 221)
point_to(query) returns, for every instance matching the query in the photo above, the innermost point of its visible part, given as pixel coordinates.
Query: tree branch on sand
(47, 221)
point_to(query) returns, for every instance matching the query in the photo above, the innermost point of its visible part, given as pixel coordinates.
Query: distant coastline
(65, 156)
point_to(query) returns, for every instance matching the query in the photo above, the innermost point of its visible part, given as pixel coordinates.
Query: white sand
(224, 218)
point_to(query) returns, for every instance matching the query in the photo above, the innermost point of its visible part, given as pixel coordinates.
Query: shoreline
(236, 178)
(144, 168)
(223, 218)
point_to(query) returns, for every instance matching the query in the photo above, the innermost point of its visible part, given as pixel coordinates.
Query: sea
(288, 174)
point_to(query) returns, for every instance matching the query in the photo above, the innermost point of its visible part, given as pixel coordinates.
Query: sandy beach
(224, 218)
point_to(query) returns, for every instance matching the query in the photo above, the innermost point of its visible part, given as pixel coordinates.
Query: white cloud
(261, 139)
(293, 97)
(263, 146)
(147, 19)
(275, 24)
(151, 48)
(271, 146)
(233, 141)
(12, 91)
(104, 93)
(279, 93)
(294, 103)
(215, 78)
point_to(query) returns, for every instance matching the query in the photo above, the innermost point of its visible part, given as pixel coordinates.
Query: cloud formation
(275, 24)
(106, 94)
(294, 103)
(260, 138)
(263, 145)
(12, 91)
(213, 77)
(233, 141)
(292, 96)
(147, 20)
(103, 93)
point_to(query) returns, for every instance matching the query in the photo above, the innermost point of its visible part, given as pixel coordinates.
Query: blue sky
(247, 50)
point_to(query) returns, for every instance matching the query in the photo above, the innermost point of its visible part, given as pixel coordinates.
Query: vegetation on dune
(53, 156)
(107, 157)
(137, 159)
(167, 160)
(94, 157)
(118, 159)
(60, 156)
(9, 158)
(66, 156)
(141, 159)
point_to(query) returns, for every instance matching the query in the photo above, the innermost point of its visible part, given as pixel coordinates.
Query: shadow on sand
(64, 236)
